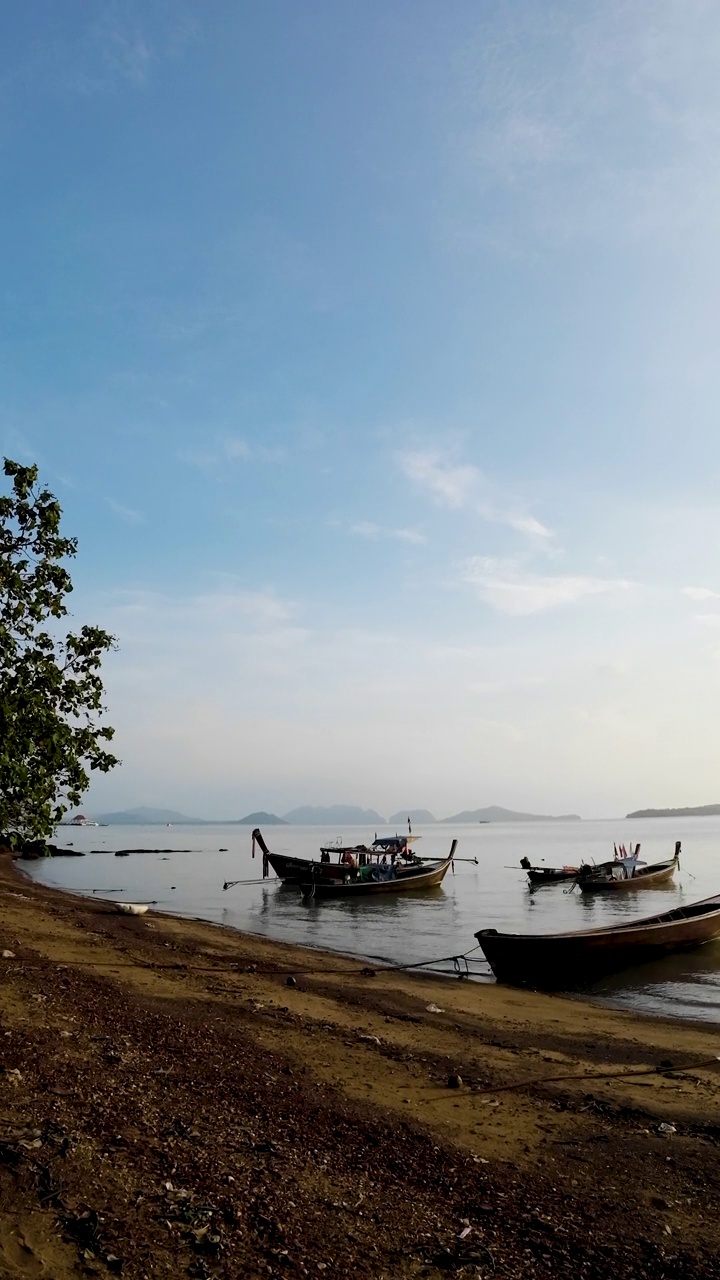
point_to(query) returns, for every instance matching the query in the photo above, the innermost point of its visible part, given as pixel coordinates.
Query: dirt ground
(182, 1100)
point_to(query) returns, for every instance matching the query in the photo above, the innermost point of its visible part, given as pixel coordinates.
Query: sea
(187, 867)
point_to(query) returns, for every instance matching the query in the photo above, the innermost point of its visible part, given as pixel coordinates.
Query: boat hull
(651, 878)
(293, 870)
(566, 960)
(409, 880)
(550, 875)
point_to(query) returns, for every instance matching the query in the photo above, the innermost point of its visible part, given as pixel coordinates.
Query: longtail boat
(293, 870)
(559, 875)
(389, 880)
(547, 875)
(380, 845)
(566, 960)
(619, 876)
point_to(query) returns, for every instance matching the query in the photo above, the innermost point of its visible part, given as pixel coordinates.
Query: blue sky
(371, 350)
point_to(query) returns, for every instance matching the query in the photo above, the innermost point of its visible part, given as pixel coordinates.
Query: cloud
(449, 485)
(700, 593)
(505, 587)
(126, 513)
(366, 529)
(466, 486)
(606, 116)
(119, 47)
(232, 449)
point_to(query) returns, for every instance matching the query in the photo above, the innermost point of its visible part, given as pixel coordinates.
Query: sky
(371, 351)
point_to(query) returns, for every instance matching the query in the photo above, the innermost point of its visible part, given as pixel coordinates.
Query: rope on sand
(459, 962)
(603, 1075)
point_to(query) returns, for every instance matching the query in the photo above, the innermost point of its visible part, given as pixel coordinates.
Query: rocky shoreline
(180, 1099)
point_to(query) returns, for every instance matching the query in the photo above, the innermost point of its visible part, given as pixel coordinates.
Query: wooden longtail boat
(381, 844)
(566, 960)
(405, 878)
(558, 875)
(293, 870)
(619, 877)
(547, 875)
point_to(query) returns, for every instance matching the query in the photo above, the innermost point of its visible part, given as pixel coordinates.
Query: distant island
(333, 815)
(348, 815)
(255, 819)
(148, 817)
(494, 813)
(698, 811)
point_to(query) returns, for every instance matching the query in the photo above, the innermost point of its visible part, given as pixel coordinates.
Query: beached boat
(131, 908)
(620, 876)
(372, 880)
(565, 960)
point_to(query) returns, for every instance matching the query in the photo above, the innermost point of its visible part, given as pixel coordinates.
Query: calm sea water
(187, 879)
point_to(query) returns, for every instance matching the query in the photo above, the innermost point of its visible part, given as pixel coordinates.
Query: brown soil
(171, 1106)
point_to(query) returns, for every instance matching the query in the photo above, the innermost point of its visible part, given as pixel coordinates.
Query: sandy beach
(180, 1099)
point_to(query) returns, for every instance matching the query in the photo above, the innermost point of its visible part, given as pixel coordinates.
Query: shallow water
(424, 926)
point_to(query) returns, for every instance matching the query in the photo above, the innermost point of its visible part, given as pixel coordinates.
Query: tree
(50, 688)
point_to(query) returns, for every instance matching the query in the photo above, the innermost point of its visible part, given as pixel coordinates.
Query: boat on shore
(557, 961)
(621, 876)
(370, 880)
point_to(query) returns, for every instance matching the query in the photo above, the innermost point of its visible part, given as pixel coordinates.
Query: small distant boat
(565, 960)
(619, 875)
(371, 880)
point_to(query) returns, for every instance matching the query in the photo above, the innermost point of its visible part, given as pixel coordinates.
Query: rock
(290, 982)
(454, 1081)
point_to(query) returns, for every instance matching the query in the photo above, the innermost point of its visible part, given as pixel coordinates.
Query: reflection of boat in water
(565, 960)
(620, 875)
(371, 880)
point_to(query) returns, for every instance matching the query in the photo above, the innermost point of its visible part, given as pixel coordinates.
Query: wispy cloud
(128, 514)
(116, 48)
(232, 449)
(463, 485)
(506, 587)
(366, 529)
(609, 114)
(700, 593)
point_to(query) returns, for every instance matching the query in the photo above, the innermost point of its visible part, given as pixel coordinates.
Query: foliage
(50, 687)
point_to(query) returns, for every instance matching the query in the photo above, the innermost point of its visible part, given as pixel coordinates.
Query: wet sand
(171, 1106)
